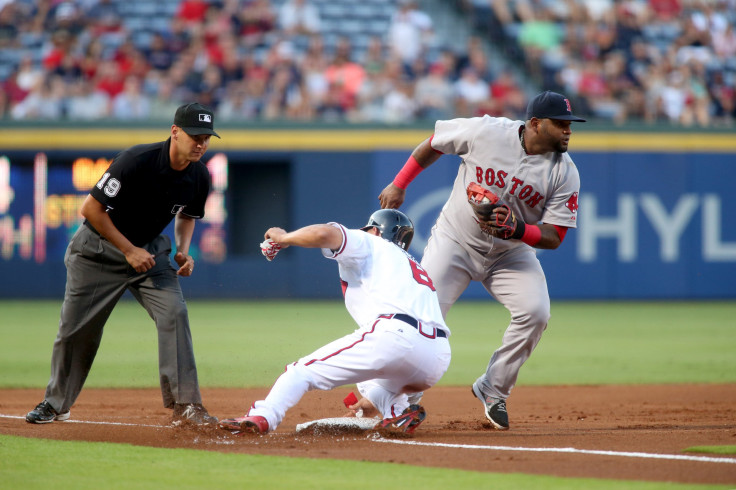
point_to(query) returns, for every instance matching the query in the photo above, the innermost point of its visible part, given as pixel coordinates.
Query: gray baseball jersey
(539, 188)
(536, 187)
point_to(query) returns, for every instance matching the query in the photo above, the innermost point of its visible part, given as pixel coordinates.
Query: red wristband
(408, 172)
(532, 234)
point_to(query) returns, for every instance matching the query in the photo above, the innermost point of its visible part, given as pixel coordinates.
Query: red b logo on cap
(567, 103)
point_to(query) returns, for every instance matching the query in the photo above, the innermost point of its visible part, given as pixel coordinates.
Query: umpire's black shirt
(143, 193)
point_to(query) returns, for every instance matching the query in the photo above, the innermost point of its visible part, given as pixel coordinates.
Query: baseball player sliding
(516, 190)
(400, 347)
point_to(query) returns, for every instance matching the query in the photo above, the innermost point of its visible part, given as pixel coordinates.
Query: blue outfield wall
(652, 224)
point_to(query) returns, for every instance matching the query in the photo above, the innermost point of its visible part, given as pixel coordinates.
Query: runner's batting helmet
(394, 226)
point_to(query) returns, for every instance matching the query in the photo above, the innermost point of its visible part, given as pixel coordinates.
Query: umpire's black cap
(195, 119)
(551, 105)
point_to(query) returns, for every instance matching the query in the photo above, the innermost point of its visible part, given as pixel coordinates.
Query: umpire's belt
(415, 323)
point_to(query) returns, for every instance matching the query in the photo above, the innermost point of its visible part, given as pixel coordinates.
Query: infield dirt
(661, 419)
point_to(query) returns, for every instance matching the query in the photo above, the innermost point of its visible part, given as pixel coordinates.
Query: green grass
(712, 449)
(247, 343)
(121, 466)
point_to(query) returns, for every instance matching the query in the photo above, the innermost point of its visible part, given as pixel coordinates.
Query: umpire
(120, 247)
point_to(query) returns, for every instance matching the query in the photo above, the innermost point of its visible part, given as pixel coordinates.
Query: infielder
(400, 347)
(120, 247)
(530, 186)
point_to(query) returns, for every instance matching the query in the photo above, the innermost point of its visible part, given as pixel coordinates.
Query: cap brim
(567, 117)
(198, 131)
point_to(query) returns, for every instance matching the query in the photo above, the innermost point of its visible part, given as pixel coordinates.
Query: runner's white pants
(388, 359)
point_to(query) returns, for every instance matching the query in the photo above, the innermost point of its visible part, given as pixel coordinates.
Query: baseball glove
(483, 201)
(493, 215)
(269, 249)
(505, 224)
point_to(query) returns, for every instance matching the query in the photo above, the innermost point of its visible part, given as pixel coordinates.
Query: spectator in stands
(313, 65)
(434, 94)
(240, 102)
(724, 43)
(255, 21)
(29, 74)
(299, 18)
(698, 100)
(13, 92)
(399, 106)
(68, 68)
(470, 56)
(594, 86)
(178, 37)
(410, 32)
(131, 103)
(219, 21)
(599, 11)
(694, 43)
(640, 57)
(723, 96)
(344, 76)
(666, 10)
(536, 37)
(164, 103)
(471, 92)
(8, 25)
(75, 39)
(85, 103)
(192, 12)
(373, 91)
(108, 78)
(159, 54)
(212, 86)
(44, 102)
(673, 97)
(375, 55)
(231, 68)
(507, 99)
(65, 16)
(60, 44)
(103, 17)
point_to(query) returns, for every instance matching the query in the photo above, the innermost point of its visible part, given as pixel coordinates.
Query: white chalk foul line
(675, 457)
(94, 423)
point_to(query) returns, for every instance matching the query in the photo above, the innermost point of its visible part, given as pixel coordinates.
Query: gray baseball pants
(515, 279)
(97, 277)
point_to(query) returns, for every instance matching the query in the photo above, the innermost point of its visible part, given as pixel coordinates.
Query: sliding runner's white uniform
(400, 347)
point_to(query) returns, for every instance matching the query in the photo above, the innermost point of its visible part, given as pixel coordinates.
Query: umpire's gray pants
(97, 276)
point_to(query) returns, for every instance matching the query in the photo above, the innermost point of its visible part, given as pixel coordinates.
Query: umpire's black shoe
(193, 413)
(44, 413)
(495, 409)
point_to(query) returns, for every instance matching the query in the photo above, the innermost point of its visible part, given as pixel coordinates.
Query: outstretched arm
(422, 157)
(312, 236)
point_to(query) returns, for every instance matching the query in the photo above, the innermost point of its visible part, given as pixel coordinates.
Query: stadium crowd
(652, 60)
(648, 60)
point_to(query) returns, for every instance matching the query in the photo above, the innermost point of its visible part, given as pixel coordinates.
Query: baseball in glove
(483, 201)
(493, 215)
